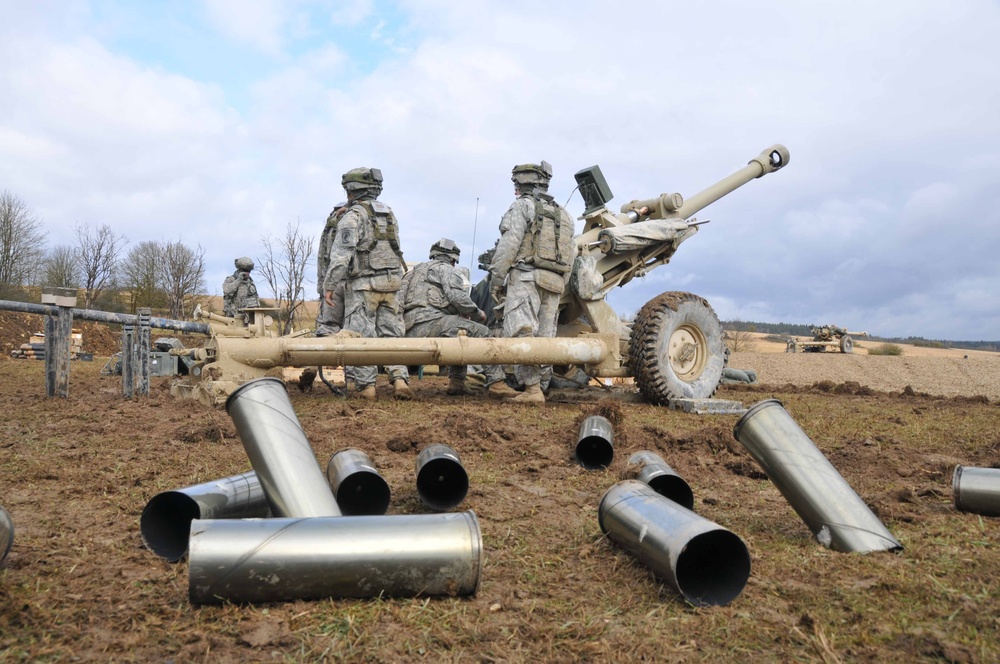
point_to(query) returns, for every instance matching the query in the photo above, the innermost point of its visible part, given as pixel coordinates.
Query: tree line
(800, 330)
(111, 275)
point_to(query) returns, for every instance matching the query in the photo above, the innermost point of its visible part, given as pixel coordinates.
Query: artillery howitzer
(827, 336)
(674, 348)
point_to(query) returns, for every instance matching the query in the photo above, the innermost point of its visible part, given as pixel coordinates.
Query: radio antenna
(475, 222)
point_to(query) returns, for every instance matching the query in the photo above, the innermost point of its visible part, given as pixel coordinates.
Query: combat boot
(368, 393)
(532, 394)
(402, 390)
(457, 388)
(501, 389)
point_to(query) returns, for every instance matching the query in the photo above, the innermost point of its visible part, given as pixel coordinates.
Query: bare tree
(182, 275)
(61, 268)
(284, 268)
(98, 250)
(22, 243)
(140, 276)
(741, 341)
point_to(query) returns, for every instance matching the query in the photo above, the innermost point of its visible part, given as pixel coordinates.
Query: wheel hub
(687, 352)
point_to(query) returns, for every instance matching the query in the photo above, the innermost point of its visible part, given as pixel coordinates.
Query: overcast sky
(220, 121)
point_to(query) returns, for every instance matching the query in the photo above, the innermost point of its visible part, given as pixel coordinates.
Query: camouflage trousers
(372, 314)
(449, 326)
(530, 311)
(330, 319)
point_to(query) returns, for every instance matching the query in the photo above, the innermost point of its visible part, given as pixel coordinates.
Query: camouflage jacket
(432, 290)
(361, 253)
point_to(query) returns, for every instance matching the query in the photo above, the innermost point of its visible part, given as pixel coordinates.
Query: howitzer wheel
(676, 349)
(846, 344)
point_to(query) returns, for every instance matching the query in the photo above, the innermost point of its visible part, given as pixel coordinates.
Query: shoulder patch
(346, 237)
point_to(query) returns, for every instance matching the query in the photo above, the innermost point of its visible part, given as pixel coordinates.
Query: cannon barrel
(674, 206)
(641, 225)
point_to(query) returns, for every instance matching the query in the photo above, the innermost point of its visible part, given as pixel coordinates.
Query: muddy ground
(79, 585)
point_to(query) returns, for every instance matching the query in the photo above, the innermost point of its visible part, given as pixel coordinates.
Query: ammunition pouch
(550, 281)
(386, 282)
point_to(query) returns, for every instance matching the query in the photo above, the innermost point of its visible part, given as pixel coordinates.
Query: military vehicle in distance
(824, 337)
(674, 347)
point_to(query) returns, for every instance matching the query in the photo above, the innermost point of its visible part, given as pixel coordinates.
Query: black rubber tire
(676, 350)
(846, 344)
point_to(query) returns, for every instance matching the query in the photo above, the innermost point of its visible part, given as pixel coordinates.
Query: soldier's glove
(481, 315)
(496, 294)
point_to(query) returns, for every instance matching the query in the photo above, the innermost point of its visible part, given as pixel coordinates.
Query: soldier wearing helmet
(365, 261)
(238, 290)
(530, 266)
(436, 303)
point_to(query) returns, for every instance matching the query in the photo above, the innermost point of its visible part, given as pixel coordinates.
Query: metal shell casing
(272, 560)
(707, 564)
(595, 444)
(824, 500)
(442, 482)
(357, 485)
(977, 490)
(165, 523)
(279, 451)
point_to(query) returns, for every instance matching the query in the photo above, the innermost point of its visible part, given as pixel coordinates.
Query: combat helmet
(362, 180)
(445, 247)
(244, 263)
(532, 175)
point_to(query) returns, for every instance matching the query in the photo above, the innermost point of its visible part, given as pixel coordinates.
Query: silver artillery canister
(165, 523)
(357, 486)
(816, 491)
(271, 560)
(707, 564)
(442, 482)
(649, 468)
(6, 533)
(279, 451)
(976, 490)
(595, 446)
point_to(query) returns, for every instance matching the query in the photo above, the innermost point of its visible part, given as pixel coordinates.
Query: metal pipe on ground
(977, 490)
(279, 451)
(649, 468)
(6, 533)
(707, 564)
(818, 493)
(165, 523)
(442, 482)
(357, 486)
(595, 448)
(272, 560)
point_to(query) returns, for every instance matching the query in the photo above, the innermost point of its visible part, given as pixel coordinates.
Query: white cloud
(255, 23)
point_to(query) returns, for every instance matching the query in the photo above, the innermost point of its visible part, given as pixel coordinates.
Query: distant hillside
(799, 330)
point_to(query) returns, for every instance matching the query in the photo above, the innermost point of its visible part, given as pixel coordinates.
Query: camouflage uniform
(370, 271)
(436, 302)
(329, 318)
(533, 286)
(238, 290)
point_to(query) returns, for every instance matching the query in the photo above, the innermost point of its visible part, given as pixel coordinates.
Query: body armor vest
(548, 239)
(422, 292)
(380, 251)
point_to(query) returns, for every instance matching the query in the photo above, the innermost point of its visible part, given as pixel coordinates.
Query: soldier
(238, 290)
(366, 261)
(533, 256)
(329, 319)
(436, 303)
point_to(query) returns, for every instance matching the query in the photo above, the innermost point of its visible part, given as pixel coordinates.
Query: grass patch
(886, 349)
